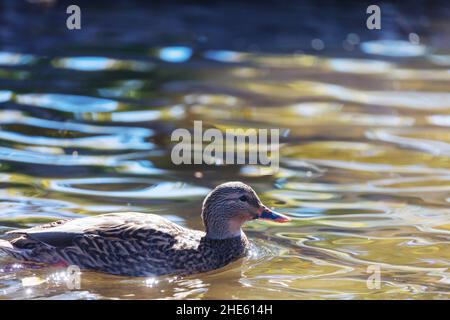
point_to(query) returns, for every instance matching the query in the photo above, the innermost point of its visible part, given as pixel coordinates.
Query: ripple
(138, 167)
(153, 189)
(397, 136)
(127, 163)
(371, 167)
(294, 90)
(174, 112)
(114, 142)
(16, 208)
(410, 185)
(301, 115)
(106, 137)
(5, 95)
(101, 64)
(439, 120)
(439, 59)
(363, 66)
(175, 54)
(294, 196)
(279, 173)
(9, 117)
(15, 59)
(354, 247)
(224, 55)
(385, 69)
(212, 100)
(129, 88)
(407, 99)
(67, 103)
(366, 157)
(55, 159)
(393, 48)
(261, 250)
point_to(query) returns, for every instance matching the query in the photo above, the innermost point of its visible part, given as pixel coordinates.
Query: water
(365, 173)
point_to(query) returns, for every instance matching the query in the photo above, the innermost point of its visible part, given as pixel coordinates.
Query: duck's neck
(223, 251)
(231, 247)
(223, 235)
(224, 229)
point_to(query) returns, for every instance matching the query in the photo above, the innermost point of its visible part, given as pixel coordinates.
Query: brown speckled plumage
(138, 244)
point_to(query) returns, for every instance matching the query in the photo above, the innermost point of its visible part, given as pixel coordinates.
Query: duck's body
(130, 243)
(139, 244)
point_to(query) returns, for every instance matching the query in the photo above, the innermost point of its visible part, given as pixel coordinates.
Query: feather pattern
(131, 243)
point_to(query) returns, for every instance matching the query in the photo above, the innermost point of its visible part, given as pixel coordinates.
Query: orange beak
(271, 215)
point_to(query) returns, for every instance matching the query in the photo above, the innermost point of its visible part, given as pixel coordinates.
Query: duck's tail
(26, 249)
(8, 248)
(5, 245)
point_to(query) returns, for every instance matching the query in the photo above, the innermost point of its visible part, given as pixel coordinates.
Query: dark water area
(86, 117)
(263, 26)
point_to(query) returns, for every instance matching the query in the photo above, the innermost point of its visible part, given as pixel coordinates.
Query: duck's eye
(243, 198)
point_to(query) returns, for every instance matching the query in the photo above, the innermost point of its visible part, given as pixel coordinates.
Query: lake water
(86, 118)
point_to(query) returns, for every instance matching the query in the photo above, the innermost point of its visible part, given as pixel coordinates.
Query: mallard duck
(139, 244)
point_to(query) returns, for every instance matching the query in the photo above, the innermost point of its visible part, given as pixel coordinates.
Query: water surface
(364, 164)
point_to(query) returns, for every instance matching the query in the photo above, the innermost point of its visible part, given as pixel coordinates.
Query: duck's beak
(271, 215)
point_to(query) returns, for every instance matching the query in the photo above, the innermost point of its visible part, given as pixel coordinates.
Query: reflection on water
(365, 169)
(394, 48)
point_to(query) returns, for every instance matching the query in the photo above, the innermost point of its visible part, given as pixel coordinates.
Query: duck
(143, 244)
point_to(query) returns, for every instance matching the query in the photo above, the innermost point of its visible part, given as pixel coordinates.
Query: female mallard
(138, 244)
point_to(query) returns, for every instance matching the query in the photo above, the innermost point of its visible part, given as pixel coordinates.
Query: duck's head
(229, 206)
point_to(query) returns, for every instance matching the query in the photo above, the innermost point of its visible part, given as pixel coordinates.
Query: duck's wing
(121, 243)
(112, 225)
(45, 232)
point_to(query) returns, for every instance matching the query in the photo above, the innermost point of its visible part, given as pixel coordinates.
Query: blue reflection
(154, 189)
(5, 95)
(175, 54)
(13, 59)
(68, 103)
(393, 48)
(223, 55)
(87, 63)
(101, 64)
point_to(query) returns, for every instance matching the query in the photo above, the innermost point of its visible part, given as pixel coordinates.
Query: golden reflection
(364, 156)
